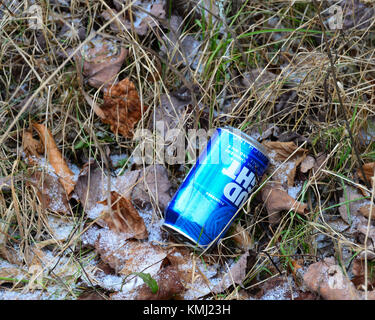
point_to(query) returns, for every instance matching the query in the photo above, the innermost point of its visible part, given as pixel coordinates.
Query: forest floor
(100, 106)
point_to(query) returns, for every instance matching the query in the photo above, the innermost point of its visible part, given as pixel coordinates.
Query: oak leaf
(50, 192)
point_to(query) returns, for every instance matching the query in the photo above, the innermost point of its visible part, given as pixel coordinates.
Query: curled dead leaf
(284, 149)
(276, 200)
(124, 217)
(122, 108)
(53, 154)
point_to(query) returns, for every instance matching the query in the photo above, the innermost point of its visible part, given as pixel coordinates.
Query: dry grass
(38, 82)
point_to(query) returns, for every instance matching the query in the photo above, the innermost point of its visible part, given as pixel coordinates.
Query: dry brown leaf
(122, 108)
(354, 206)
(31, 146)
(126, 256)
(10, 254)
(50, 192)
(369, 170)
(153, 187)
(284, 149)
(102, 60)
(55, 158)
(365, 211)
(235, 275)
(92, 188)
(276, 200)
(326, 278)
(307, 164)
(124, 217)
(169, 285)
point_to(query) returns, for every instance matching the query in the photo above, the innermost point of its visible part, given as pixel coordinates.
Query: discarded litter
(225, 174)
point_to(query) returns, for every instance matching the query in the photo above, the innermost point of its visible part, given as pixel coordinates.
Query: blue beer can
(225, 174)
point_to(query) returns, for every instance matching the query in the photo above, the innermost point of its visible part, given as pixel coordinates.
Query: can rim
(249, 139)
(189, 239)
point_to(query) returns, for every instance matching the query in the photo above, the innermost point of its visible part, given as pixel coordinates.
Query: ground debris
(327, 279)
(102, 60)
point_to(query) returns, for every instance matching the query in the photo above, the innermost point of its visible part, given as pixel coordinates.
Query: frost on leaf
(124, 217)
(277, 200)
(50, 192)
(125, 255)
(101, 60)
(122, 108)
(279, 193)
(327, 279)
